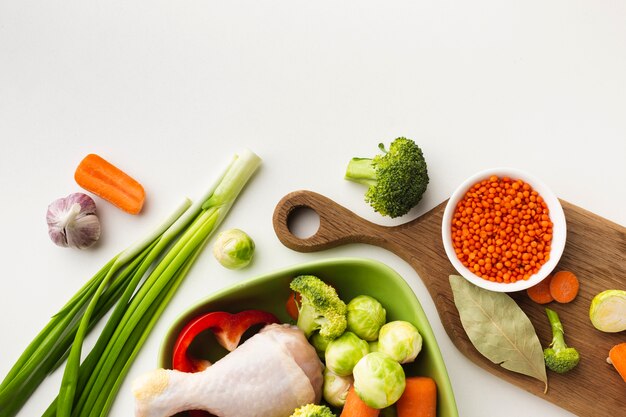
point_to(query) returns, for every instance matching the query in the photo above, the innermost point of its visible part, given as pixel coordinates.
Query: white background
(169, 90)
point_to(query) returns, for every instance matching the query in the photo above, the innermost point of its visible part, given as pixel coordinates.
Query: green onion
(141, 297)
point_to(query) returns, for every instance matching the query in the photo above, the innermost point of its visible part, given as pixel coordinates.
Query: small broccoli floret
(313, 410)
(558, 356)
(320, 307)
(397, 179)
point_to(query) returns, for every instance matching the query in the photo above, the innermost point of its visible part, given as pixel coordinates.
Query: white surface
(169, 90)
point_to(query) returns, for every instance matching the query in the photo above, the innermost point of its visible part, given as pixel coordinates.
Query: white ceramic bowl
(557, 217)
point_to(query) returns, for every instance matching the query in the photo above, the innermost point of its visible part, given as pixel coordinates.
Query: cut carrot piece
(355, 407)
(540, 293)
(617, 356)
(564, 286)
(107, 181)
(291, 305)
(419, 398)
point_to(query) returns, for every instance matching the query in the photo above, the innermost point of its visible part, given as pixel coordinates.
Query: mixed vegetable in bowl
(355, 364)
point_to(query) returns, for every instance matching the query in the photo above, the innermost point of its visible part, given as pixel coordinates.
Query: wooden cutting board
(595, 251)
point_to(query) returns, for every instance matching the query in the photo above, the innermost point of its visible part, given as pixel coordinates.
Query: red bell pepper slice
(227, 328)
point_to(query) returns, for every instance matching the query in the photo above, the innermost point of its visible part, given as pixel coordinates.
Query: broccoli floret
(320, 307)
(396, 179)
(313, 410)
(558, 356)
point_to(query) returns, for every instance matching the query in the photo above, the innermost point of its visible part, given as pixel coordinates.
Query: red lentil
(501, 230)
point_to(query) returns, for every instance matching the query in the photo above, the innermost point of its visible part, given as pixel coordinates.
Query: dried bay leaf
(499, 329)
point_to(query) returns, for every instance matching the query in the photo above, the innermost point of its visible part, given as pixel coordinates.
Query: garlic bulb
(72, 221)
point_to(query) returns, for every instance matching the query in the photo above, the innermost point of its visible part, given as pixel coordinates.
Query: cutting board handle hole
(303, 222)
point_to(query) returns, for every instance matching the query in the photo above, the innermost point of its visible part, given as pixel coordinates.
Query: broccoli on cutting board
(397, 179)
(559, 357)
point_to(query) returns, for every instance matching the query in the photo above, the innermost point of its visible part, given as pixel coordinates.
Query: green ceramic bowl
(351, 277)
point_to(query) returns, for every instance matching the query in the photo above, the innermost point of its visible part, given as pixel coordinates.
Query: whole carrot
(419, 398)
(102, 178)
(355, 407)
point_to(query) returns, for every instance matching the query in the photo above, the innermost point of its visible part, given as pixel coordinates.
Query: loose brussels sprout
(400, 340)
(379, 380)
(335, 388)
(365, 317)
(373, 346)
(344, 352)
(233, 249)
(320, 343)
(608, 311)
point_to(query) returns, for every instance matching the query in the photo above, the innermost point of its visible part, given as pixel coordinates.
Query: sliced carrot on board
(564, 286)
(105, 180)
(617, 356)
(355, 407)
(419, 398)
(540, 293)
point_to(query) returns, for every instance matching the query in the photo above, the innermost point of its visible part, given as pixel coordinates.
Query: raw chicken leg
(271, 374)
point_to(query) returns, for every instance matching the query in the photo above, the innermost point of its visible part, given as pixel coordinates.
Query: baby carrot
(107, 181)
(419, 398)
(540, 293)
(564, 286)
(617, 356)
(355, 407)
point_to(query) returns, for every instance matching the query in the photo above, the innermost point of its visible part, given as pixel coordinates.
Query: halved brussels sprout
(608, 311)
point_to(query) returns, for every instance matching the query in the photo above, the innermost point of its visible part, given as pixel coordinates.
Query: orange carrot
(355, 407)
(110, 183)
(291, 306)
(419, 398)
(564, 286)
(617, 356)
(540, 293)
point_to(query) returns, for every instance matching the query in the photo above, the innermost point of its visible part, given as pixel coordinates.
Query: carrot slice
(107, 181)
(419, 398)
(564, 286)
(355, 407)
(617, 355)
(540, 293)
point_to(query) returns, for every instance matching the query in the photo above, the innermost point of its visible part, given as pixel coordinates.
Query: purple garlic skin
(72, 221)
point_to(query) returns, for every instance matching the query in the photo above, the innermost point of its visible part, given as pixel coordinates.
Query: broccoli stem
(361, 170)
(558, 341)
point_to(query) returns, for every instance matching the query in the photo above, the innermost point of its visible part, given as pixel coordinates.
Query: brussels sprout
(320, 343)
(336, 388)
(365, 317)
(344, 352)
(608, 311)
(233, 249)
(373, 346)
(378, 380)
(400, 340)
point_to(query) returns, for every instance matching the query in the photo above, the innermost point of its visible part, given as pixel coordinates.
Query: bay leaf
(499, 329)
